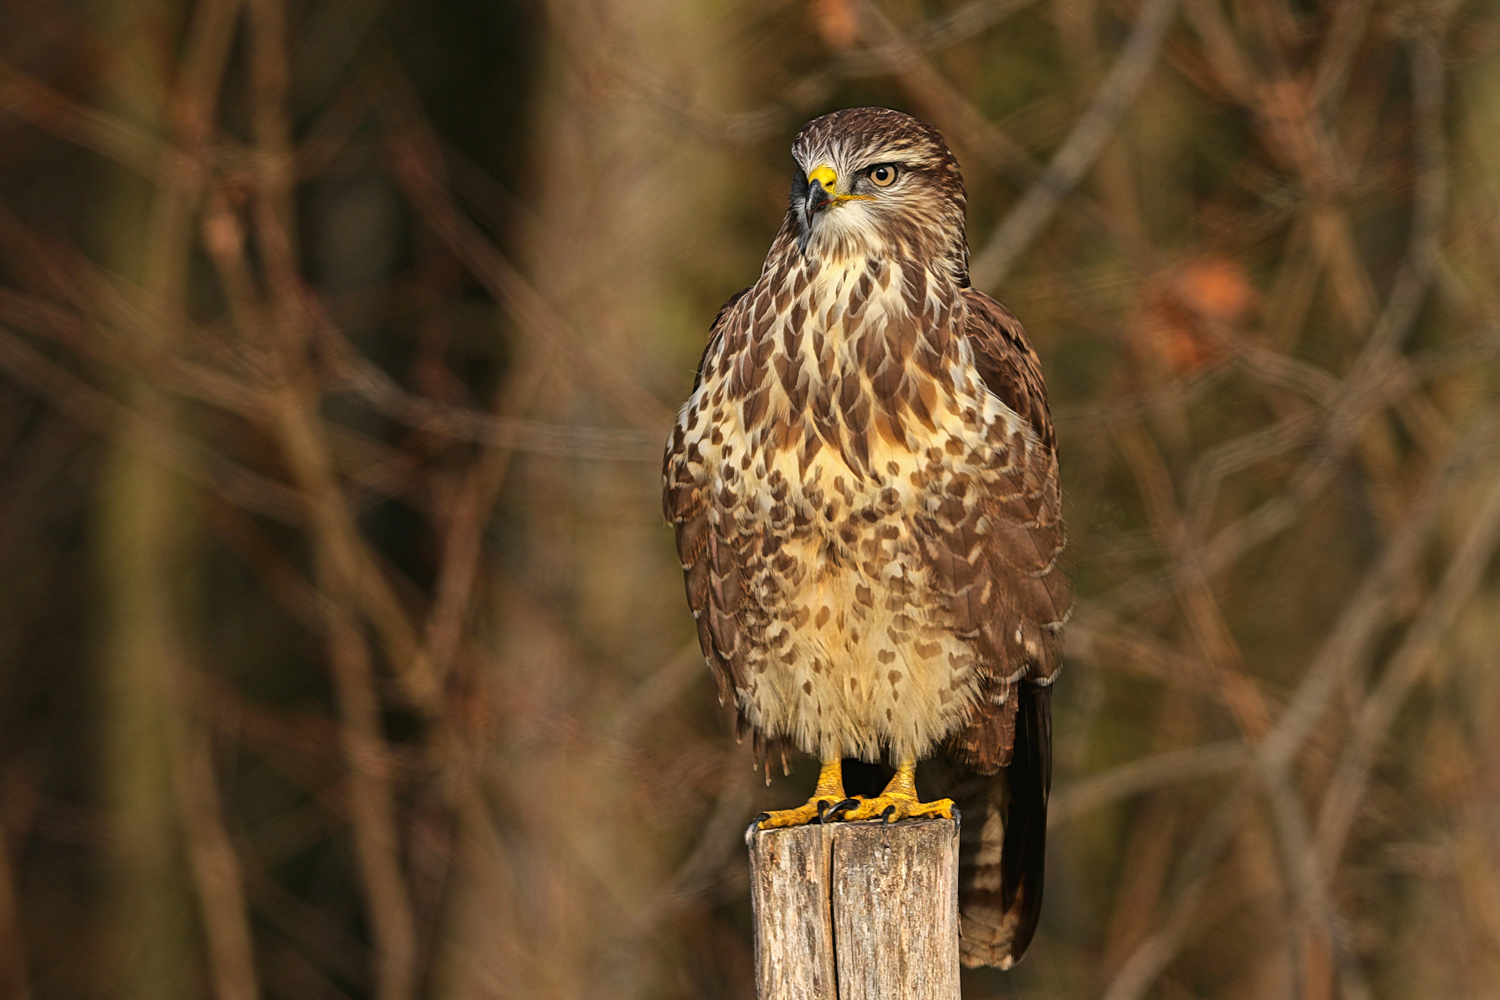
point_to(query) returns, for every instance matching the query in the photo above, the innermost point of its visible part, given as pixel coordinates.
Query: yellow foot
(896, 806)
(828, 795)
(814, 810)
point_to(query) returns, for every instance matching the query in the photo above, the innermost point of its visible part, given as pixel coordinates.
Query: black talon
(841, 807)
(885, 816)
(761, 819)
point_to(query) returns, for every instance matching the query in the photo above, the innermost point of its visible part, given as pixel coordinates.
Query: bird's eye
(884, 175)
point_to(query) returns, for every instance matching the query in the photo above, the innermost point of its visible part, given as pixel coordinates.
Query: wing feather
(1002, 760)
(705, 542)
(1026, 596)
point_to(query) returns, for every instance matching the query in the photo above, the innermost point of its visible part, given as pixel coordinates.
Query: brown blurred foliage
(1179, 314)
(344, 652)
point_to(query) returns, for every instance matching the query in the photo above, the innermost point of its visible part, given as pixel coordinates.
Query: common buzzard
(865, 490)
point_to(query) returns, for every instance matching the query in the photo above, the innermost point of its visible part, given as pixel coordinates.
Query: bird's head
(877, 183)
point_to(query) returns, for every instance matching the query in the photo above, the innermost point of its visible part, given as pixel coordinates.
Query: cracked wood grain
(856, 911)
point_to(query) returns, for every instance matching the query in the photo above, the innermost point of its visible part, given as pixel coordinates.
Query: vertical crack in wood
(833, 924)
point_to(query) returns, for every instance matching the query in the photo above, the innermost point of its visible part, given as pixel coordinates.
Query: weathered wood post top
(856, 911)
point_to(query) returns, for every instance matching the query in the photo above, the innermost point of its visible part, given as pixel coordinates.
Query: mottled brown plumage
(865, 490)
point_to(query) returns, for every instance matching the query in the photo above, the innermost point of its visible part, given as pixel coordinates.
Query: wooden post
(856, 911)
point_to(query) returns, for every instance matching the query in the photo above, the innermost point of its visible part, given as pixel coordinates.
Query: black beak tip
(817, 200)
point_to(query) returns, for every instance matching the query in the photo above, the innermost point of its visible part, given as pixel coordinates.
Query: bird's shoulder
(716, 331)
(1008, 363)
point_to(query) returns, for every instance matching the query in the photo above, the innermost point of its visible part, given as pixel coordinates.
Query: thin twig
(150, 438)
(416, 168)
(114, 138)
(212, 856)
(1169, 767)
(344, 568)
(1025, 220)
(1471, 557)
(1362, 617)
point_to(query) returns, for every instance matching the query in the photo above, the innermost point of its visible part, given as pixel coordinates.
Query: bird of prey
(864, 486)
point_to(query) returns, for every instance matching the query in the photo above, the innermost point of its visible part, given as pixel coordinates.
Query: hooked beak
(822, 192)
(820, 188)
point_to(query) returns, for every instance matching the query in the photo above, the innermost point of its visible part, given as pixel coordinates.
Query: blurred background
(343, 650)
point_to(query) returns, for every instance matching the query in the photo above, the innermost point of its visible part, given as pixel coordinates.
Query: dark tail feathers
(1004, 838)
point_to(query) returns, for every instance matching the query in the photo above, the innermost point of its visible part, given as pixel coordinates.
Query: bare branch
(111, 137)
(1025, 220)
(1082, 796)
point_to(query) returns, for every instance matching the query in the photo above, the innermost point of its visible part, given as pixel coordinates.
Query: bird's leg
(828, 793)
(899, 800)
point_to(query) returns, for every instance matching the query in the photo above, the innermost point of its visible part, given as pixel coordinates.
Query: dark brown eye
(883, 175)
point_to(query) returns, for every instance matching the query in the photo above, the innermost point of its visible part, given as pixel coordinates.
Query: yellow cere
(825, 176)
